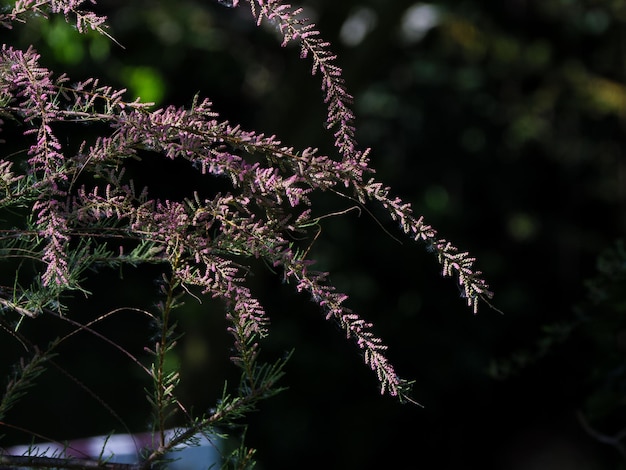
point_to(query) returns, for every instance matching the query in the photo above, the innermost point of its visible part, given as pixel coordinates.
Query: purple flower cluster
(205, 240)
(294, 27)
(71, 9)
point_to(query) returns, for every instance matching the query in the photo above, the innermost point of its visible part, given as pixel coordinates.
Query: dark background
(501, 122)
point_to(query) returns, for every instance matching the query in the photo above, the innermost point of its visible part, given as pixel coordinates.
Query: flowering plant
(78, 209)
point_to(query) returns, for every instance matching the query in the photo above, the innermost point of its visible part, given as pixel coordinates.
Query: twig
(604, 438)
(22, 461)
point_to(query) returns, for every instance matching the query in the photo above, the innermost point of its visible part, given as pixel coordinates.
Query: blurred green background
(503, 123)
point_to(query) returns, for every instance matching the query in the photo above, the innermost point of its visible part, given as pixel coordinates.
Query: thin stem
(21, 461)
(163, 386)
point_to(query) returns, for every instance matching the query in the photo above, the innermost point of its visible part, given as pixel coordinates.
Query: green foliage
(23, 377)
